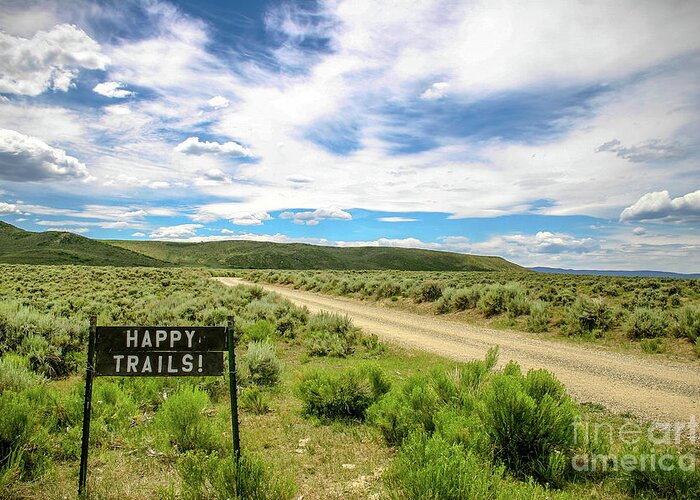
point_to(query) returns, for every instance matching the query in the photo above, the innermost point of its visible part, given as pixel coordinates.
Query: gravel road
(652, 389)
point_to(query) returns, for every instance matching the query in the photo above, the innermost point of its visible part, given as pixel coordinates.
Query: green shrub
(400, 412)
(433, 468)
(466, 298)
(588, 316)
(345, 395)
(497, 299)
(254, 400)
(538, 320)
(429, 467)
(212, 476)
(444, 304)
(15, 373)
(652, 346)
(330, 334)
(260, 330)
(372, 344)
(290, 319)
(259, 365)
(182, 420)
(688, 323)
(697, 347)
(673, 476)
(529, 422)
(646, 324)
(112, 407)
(427, 291)
(24, 443)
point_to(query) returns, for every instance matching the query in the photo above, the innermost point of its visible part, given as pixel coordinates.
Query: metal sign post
(89, 372)
(233, 388)
(157, 351)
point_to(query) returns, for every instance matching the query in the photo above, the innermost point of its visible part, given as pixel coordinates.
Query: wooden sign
(160, 338)
(143, 351)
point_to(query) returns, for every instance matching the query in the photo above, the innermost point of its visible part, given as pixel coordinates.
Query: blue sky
(551, 133)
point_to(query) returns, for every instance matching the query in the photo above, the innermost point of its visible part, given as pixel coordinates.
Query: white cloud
(658, 205)
(193, 146)
(24, 158)
(175, 232)
(647, 151)
(76, 230)
(119, 225)
(48, 60)
(316, 216)
(255, 219)
(231, 212)
(396, 219)
(299, 179)
(639, 231)
(541, 243)
(218, 102)
(118, 109)
(212, 177)
(9, 208)
(436, 91)
(139, 235)
(112, 89)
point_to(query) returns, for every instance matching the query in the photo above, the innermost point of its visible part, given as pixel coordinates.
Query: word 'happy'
(159, 339)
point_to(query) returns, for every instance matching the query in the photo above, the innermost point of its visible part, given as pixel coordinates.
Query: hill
(642, 274)
(52, 247)
(266, 255)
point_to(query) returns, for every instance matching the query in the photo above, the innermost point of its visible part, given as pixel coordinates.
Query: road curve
(653, 389)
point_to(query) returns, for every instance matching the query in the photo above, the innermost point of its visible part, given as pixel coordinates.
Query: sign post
(233, 388)
(89, 372)
(152, 351)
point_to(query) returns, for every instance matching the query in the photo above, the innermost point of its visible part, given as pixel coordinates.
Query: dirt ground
(656, 390)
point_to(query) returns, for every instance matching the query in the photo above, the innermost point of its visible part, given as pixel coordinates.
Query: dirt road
(653, 389)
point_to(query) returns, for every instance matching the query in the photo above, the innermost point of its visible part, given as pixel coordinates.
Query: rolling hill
(18, 246)
(266, 255)
(52, 247)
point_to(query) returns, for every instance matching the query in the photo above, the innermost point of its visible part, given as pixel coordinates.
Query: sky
(560, 133)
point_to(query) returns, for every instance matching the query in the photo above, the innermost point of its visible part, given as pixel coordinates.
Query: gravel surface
(653, 389)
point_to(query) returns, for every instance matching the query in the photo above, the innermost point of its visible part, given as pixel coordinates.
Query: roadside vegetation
(327, 411)
(653, 314)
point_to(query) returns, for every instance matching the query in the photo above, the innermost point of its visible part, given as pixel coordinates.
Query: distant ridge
(643, 274)
(240, 254)
(18, 246)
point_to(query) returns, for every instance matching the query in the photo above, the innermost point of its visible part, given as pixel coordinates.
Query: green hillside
(265, 255)
(51, 247)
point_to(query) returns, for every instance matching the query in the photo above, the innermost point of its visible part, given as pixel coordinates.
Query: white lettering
(146, 342)
(118, 359)
(190, 335)
(132, 336)
(170, 365)
(200, 364)
(187, 363)
(131, 363)
(160, 364)
(161, 335)
(146, 365)
(175, 336)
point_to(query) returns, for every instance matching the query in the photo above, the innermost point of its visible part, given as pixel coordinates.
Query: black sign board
(148, 351)
(166, 364)
(160, 338)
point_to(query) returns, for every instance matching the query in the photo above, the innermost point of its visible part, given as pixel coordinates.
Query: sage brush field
(328, 411)
(655, 312)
